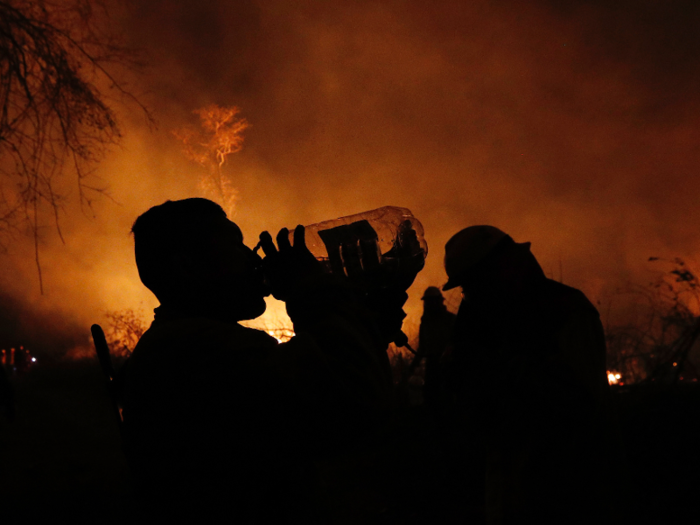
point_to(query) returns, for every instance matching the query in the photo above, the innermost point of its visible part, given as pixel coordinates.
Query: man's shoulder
(567, 298)
(200, 334)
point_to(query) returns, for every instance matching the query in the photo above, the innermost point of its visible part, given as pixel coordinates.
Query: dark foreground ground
(61, 462)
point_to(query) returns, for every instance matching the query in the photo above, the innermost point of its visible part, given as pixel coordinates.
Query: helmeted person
(528, 386)
(233, 439)
(434, 334)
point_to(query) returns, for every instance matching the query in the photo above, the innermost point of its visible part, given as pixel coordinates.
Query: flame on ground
(281, 334)
(615, 378)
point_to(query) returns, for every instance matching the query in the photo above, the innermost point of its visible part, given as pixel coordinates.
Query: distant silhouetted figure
(233, 439)
(434, 335)
(527, 388)
(7, 402)
(21, 360)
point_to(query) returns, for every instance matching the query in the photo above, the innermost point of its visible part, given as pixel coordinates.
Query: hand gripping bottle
(387, 241)
(378, 249)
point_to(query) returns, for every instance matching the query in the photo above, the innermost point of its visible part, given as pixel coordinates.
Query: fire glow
(614, 378)
(416, 118)
(281, 334)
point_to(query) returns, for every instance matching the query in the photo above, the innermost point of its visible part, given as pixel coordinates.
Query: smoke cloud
(571, 124)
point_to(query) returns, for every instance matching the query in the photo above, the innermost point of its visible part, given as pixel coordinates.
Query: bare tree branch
(54, 113)
(657, 345)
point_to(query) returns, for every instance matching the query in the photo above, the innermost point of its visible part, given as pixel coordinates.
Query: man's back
(533, 379)
(221, 416)
(209, 422)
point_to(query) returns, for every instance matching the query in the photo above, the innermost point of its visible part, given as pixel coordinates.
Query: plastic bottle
(395, 234)
(377, 249)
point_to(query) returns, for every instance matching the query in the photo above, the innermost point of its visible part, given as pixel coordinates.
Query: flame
(614, 378)
(221, 135)
(281, 334)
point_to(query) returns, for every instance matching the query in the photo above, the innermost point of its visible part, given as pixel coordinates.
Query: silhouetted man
(434, 334)
(528, 386)
(232, 439)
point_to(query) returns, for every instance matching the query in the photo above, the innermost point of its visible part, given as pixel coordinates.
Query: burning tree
(658, 345)
(221, 134)
(56, 63)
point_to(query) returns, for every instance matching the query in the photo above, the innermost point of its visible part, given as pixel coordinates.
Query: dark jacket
(434, 336)
(222, 422)
(528, 379)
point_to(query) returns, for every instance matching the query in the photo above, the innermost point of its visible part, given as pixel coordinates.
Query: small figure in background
(434, 334)
(21, 360)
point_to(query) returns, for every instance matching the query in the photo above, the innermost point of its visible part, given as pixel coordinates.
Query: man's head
(484, 259)
(433, 299)
(190, 255)
(432, 294)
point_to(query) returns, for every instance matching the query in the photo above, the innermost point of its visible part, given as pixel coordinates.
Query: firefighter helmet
(432, 292)
(466, 248)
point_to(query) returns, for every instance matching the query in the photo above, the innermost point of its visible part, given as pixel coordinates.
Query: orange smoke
(572, 126)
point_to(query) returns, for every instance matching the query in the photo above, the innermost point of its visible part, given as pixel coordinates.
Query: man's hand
(382, 286)
(288, 268)
(406, 258)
